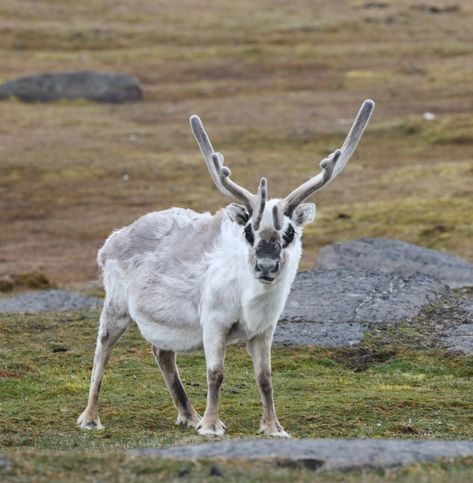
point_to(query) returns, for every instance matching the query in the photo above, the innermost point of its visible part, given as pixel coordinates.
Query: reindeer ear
(237, 213)
(304, 214)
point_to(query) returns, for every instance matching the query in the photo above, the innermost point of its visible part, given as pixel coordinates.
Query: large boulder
(334, 308)
(87, 84)
(348, 295)
(393, 256)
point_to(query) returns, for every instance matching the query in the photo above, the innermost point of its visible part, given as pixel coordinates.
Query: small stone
(215, 471)
(60, 348)
(374, 5)
(183, 472)
(429, 116)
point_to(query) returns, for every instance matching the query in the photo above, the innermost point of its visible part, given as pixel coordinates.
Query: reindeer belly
(170, 338)
(168, 323)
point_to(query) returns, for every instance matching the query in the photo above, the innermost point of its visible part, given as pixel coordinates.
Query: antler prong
(218, 171)
(277, 217)
(331, 166)
(261, 202)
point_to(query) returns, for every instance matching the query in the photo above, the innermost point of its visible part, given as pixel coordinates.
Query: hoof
(86, 422)
(280, 434)
(211, 429)
(275, 431)
(188, 421)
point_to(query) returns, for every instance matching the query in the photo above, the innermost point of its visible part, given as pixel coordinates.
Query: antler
(221, 175)
(331, 167)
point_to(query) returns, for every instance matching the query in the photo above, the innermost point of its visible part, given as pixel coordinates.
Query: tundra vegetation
(275, 83)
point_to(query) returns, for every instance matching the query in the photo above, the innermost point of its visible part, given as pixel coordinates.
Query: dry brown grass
(274, 83)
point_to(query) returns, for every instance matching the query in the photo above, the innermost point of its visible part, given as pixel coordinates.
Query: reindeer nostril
(258, 268)
(276, 267)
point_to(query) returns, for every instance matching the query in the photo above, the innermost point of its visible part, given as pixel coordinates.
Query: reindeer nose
(267, 268)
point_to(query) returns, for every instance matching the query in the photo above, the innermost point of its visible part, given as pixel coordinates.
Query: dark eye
(288, 236)
(249, 235)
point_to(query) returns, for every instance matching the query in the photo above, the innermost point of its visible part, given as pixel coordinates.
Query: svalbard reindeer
(192, 280)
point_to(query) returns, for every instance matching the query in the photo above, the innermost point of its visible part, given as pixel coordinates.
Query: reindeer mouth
(266, 280)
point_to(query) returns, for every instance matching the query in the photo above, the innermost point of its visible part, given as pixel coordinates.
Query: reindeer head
(271, 227)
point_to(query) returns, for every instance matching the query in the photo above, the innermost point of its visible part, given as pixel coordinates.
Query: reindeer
(191, 280)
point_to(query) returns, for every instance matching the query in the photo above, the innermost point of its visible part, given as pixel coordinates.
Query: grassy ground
(27, 466)
(388, 388)
(276, 84)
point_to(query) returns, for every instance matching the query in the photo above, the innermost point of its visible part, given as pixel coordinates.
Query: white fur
(190, 280)
(172, 295)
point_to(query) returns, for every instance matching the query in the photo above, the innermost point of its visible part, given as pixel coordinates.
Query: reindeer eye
(249, 235)
(288, 236)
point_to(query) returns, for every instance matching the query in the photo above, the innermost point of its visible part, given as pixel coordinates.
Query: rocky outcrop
(460, 338)
(320, 334)
(319, 454)
(397, 257)
(334, 308)
(349, 295)
(91, 85)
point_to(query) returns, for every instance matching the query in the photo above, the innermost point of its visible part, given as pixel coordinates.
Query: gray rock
(92, 85)
(351, 295)
(467, 306)
(47, 301)
(323, 454)
(398, 257)
(460, 339)
(322, 334)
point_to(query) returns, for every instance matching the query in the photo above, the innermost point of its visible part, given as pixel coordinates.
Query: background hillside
(276, 84)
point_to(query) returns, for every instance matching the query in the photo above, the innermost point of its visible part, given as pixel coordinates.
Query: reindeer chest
(260, 313)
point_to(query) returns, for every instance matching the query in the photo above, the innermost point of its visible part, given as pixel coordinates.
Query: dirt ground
(276, 84)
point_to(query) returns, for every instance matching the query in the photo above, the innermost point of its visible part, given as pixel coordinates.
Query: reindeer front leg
(260, 350)
(215, 339)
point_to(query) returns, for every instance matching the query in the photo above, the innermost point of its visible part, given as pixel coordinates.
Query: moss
(61, 466)
(319, 392)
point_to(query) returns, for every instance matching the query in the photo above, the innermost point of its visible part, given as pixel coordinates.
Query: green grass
(384, 390)
(397, 392)
(119, 467)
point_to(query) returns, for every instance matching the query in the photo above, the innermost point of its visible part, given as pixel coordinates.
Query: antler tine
(234, 190)
(260, 203)
(312, 185)
(277, 217)
(207, 150)
(220, 173)
(331, 166)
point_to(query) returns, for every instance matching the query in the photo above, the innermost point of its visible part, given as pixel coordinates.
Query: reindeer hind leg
(113, 323)
(166, 360)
